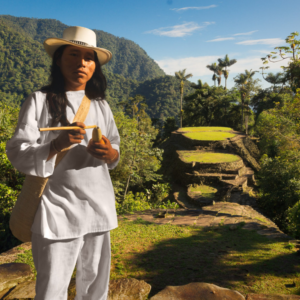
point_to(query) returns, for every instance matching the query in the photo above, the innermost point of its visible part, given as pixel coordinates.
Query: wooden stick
(66, 128)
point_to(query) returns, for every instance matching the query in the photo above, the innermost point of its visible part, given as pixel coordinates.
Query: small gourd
(97, 135)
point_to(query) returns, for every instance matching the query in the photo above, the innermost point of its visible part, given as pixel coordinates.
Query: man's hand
(102, 151)
(69, 137)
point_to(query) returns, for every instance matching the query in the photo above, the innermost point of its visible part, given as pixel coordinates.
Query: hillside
(25, 66)
(129, 59)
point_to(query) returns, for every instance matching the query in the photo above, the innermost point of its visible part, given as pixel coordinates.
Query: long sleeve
(26, 150)
(112, 134)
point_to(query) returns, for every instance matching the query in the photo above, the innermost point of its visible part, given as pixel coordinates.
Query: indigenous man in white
(77, 209)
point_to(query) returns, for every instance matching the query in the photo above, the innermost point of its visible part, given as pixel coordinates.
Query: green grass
(173, 255)
(205, 128)
(204, 190)
(207, 157)
(209, 135)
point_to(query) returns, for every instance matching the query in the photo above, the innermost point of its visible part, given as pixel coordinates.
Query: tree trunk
(181, 109)
(242, 113)
(127, 185)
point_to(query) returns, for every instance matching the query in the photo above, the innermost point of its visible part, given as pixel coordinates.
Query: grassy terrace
(207, 133)
(203, 190)
(172, 255)
(207, 157)
(204, 128)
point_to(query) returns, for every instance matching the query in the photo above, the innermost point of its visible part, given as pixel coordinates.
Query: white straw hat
(80, 37)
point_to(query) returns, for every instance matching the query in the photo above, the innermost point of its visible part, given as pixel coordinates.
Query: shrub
(279, 185)
(293, 220)
(8, 198)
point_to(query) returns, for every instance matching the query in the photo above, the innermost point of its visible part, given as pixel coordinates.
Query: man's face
(77, 66)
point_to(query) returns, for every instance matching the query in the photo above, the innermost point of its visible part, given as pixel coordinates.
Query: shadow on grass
(238, 259)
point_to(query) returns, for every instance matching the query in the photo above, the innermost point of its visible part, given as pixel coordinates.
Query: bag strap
(79, 117)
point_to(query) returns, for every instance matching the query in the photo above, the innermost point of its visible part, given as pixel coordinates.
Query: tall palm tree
(226, 63)
(220, 70)
(214, 68)
(182, 77)
(242, 81)
(214, 78)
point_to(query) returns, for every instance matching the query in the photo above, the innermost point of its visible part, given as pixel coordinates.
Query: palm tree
(275, 79)
(214, 78)
(197, 86)
(182, 77)
(226, 63)
(214, 68)
(242, 81)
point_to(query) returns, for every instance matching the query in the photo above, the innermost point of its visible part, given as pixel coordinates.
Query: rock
(197, 291)
(23, 290)
(12, 274)
(129, 289)
(271, 297)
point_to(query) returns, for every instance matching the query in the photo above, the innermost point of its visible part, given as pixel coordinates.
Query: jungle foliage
(278, 126)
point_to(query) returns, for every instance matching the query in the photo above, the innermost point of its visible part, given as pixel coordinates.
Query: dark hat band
(79, 43)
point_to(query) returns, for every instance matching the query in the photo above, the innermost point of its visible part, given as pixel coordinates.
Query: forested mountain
(25, 66)
(162, 95)
(129, 59)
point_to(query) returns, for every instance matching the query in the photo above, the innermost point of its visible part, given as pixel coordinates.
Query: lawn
(205, 128)
(208, 135)
(207, 157)
(173, 255)
(203, 190)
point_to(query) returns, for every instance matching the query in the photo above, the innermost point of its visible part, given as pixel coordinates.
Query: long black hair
(56, 96)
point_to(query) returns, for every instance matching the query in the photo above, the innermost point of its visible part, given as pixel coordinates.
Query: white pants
(55, 261)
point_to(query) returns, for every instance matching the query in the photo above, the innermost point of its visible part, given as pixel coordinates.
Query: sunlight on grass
(203, 190)
(209, 135)
(207, 157)
(205, 128)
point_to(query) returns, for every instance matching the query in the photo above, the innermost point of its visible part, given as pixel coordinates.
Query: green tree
(182, 77)
(247, 87)
(207, 106)
(290, 52)
(226, 63)
(139, 161)
(279, 177)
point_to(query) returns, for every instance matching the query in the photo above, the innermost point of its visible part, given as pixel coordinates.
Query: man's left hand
(102, 151)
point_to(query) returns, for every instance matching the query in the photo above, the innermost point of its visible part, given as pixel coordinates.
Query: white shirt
(79, 196)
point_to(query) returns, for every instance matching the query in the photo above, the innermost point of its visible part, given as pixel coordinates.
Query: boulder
(12, 274)
(23, 290)
(271, 297)
(128, 289)
(197, 291)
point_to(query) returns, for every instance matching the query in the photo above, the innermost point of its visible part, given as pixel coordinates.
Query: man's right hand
(69, 137)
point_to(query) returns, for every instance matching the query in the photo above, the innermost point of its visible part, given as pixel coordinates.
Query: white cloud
(194, 65)
(270, 42)
(245, 33)
(197, 65)
(221, 39)
(179, 30)
(261, 51)
(197, 8)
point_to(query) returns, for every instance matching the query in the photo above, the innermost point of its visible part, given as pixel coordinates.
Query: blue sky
(181, 34)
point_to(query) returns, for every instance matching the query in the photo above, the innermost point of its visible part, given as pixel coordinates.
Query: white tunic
(79, 196)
